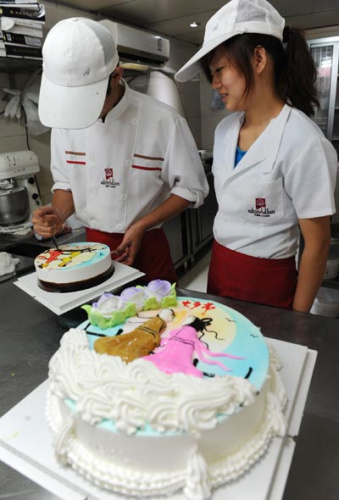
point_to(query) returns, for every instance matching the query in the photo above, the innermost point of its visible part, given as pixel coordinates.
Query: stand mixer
(19, 194)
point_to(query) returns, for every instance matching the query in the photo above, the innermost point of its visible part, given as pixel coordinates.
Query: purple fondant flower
(108, 303)
(159, 288)
(135, 295)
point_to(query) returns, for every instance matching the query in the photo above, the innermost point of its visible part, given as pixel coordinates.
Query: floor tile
(196, 277)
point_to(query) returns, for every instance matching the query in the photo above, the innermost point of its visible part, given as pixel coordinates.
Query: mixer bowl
(14, 205)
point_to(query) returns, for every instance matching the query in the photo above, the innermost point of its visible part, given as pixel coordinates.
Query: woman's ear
(259, 59)
(117, 74)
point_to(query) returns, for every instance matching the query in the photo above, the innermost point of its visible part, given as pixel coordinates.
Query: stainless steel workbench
(30, 334)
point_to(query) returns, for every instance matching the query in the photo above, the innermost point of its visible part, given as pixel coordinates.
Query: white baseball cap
(79, 55)
(234, 18)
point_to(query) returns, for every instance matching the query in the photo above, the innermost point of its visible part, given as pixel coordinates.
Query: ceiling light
(194, 24)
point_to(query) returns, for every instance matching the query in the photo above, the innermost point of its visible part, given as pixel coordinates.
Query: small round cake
(73, 267)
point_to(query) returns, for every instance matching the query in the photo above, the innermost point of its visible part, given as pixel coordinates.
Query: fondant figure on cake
(136, 344)
(176, 352)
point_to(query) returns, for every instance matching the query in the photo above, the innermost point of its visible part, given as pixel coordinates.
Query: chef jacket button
(120, 227)
(128, 163)
(134, 121)
(93, 223)
(93, 191)
(124, 197)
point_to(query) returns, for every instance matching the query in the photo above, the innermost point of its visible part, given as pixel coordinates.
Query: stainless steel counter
(30, 334)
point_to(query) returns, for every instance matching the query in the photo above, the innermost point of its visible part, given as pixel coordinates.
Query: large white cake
(73, 266)
(196, 413)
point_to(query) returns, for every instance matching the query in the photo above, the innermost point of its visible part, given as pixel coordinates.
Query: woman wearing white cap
(274, 169)
(122, 161)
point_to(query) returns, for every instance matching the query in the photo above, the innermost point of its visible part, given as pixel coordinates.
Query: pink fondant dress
(176, 352)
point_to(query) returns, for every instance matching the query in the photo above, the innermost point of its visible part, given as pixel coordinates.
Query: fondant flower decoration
(161, 294)
(111, 310)
(136, 295)
(159, 289)
(108, 304)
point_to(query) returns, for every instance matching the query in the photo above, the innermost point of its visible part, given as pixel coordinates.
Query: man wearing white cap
(122, 161)
(274, 171)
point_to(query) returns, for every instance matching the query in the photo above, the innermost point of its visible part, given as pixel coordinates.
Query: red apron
(154, 257)
(264, 281)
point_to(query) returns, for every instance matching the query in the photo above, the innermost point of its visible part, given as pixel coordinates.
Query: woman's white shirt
(287, 174)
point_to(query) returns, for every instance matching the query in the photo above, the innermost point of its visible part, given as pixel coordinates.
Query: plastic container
(326, 303)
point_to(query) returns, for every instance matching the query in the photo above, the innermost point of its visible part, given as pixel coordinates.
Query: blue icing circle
(248, 343)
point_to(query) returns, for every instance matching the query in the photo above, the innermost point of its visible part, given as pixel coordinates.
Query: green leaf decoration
(96, 318)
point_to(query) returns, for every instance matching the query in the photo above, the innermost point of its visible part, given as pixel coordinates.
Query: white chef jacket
(287, 174)
(121, 169)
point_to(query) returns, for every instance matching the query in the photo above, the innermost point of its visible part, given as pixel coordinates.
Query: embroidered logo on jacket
(109, 181)
(261, 210)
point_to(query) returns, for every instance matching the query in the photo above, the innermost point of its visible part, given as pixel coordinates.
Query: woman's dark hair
(200, 324)
(294, 68)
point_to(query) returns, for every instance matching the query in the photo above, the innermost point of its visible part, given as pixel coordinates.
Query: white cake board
(26, 443)
(60, 303)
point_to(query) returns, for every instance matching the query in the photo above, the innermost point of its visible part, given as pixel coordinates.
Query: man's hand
(47, 221)
(130, 245)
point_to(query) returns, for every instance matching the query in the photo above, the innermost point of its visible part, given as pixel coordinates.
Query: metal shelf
(17, 65)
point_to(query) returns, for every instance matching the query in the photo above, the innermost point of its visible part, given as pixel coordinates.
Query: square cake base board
(26, 443)
(60, 303)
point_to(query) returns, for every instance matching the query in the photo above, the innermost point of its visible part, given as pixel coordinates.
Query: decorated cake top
(199, 337)
(72, 255)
